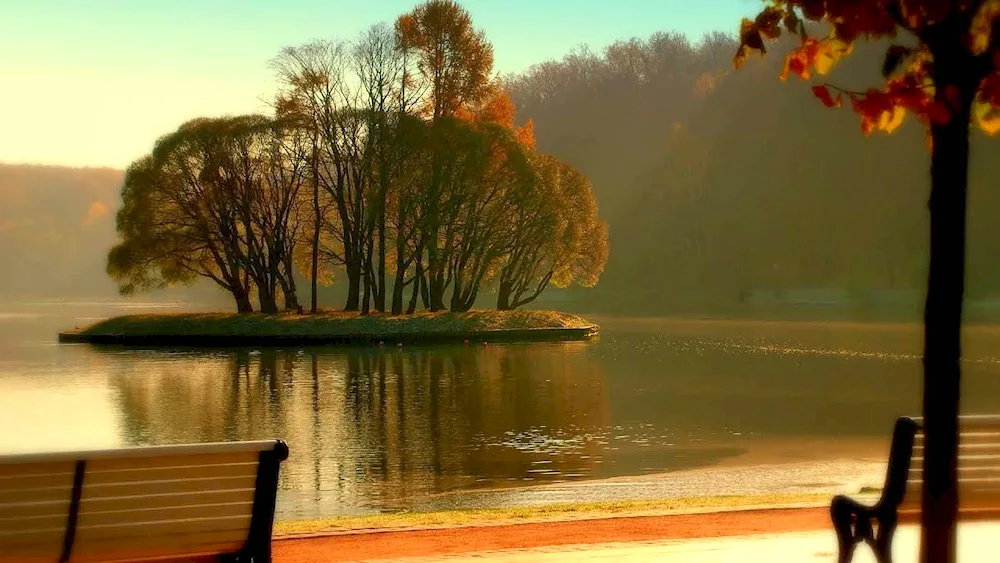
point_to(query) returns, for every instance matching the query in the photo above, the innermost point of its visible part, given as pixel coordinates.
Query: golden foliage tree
(454, 62)
(945, 70)
(217, 199)
(555, 235)
(453, 58)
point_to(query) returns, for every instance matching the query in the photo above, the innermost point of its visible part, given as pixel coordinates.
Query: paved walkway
(974, 544)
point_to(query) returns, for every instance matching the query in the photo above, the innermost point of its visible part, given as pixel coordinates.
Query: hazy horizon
(137, 71)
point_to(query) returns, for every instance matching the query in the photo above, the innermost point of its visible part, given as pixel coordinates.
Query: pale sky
(94, 83)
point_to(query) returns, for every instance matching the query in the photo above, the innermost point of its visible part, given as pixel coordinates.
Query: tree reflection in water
(374, 428)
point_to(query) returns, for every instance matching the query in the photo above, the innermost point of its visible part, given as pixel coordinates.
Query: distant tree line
(711, 196)
(392, 159)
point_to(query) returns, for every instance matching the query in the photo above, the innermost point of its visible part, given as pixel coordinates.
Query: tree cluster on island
(393, 158)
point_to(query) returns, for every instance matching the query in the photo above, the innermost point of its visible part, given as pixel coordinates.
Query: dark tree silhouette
(945, 73)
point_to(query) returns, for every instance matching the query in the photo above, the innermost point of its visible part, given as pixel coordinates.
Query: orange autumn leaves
(909, 87)
(499, 108)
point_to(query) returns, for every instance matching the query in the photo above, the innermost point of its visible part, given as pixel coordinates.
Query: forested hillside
(727, 182)
(55, 227)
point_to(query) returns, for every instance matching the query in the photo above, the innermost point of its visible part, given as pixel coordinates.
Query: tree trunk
(417, 282)
(242, 298)
(288, 285)
(366, 297)
(943, 316)
(425, 290)
(268, 304)
(503, 297)
(456, 293)
(397, 290)
(380, 280)
(290, 298)
(314, 266)
(353, 286)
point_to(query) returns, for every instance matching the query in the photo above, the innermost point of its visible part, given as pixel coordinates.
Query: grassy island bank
(329, 327)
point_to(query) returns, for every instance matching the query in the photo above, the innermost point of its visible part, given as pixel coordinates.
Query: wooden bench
(978, 485)
(134, 504)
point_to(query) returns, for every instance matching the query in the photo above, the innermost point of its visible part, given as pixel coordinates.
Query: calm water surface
(386, 429)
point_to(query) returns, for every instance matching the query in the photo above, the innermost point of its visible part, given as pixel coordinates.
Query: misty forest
(399, 175)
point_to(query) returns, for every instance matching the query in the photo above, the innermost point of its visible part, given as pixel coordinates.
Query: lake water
(373, 429)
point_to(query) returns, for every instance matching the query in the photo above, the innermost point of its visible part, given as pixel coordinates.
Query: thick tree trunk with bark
(943, 311)
(397, 291)
(418, 281)
(425, 290)
(288, 286)
(503, 296)
(242, 298)
(366, 297)
(268, 304)
(291, 300)
(456, 294)
(353, 286)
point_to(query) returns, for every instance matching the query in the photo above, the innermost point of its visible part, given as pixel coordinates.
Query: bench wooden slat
(983, 500)
(166, 499)
(154, 529)
(40, 494)
(979, 469)
(65, 467)
(911, 514)
(170, 473)
(33, 554)
(35, 481)
(145, 514)
(191, 485)
(129, 463)
(967, 448)
(982, 435)
(917, 461)
(42, 540)
(29, 509)
(171, 547)
(143, 452)
(52, 520)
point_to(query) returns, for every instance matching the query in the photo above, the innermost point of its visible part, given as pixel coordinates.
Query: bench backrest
(138, 503)
(978, 467)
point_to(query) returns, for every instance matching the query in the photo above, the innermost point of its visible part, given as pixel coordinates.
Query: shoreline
(224, 330)
(432, 544)
(546, 514)
(759, 484)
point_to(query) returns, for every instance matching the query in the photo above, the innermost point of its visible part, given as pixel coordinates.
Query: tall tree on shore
(180, 219)
(379, 62)
(555, 236)
(310, 81)
(454, 61)
(218, 199)
(946, 73)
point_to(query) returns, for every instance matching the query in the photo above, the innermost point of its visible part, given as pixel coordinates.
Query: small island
(333, 327)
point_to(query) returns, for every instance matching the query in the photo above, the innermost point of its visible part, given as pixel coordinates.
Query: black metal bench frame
(875, 525)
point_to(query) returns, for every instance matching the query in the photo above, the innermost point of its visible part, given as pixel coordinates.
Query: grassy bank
(333, 327)
(451, 518)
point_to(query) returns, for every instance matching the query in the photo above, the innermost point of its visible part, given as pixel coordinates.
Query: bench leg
(853, 523)
(843, 515)
(883, 541)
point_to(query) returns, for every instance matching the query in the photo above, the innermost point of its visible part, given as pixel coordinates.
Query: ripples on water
(389, 429)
